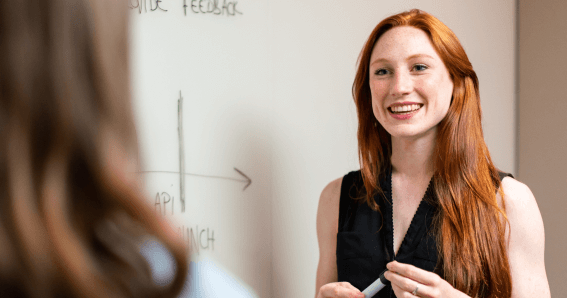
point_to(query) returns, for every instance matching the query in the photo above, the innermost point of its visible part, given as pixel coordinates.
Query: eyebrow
(408, 58)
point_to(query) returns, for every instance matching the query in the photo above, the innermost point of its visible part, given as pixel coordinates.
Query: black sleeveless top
(365, 239)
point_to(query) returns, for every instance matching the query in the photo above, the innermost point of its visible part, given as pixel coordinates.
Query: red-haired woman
(428, 203)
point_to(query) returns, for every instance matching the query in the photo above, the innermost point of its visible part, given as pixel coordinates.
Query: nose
(402, 84)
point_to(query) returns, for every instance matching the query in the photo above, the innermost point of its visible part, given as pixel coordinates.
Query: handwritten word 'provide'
(142, 5)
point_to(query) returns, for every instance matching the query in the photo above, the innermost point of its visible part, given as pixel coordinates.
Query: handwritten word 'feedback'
(212, 7)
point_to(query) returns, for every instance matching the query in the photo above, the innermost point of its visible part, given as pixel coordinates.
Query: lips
(404, 108)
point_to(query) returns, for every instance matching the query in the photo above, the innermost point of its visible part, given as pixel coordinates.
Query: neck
(413, 157)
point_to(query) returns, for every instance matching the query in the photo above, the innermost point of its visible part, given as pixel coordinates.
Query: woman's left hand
(409, 281)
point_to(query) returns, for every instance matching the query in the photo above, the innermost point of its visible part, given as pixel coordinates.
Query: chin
(410, 133)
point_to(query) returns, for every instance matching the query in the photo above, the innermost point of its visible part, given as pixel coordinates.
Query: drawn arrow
(246, 179)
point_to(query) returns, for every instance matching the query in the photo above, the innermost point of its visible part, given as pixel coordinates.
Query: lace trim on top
(413, 229)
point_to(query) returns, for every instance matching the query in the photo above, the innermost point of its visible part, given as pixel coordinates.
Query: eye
(381, 72)
(419, 67)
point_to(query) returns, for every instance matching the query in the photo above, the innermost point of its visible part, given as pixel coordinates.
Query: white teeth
(405, 108)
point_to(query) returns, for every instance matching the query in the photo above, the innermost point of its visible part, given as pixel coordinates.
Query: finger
(349, 286)
(419, 275)
(402, 284)
(422, 291)
(337, 290)
(401, 281)
(401, 293)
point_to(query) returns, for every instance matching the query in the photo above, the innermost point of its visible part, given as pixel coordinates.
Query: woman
(73, 219)
(428, 203)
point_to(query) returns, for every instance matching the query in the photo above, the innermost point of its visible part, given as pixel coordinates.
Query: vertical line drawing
(182, 172)
(181, 152)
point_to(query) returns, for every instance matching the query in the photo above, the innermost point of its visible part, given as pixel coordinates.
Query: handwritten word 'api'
(212, 7)
(162, 201)
(142, 5)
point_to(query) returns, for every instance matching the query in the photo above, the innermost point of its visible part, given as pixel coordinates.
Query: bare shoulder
(519, 199)
(526, 240)
(327, 229)
(328, 210)
(521, 209)
(332, 192)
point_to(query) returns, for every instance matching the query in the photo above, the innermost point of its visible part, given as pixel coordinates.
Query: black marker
(376, 286)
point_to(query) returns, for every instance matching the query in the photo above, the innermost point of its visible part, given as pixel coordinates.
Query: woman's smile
(410, 86)
(405, 110)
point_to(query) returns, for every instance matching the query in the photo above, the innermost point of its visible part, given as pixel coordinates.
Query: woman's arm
(327, 228)
(526, 241)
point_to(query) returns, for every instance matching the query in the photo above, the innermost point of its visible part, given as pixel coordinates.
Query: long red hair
(470, 224)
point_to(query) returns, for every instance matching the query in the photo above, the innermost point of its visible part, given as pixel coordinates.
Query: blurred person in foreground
(73, 218)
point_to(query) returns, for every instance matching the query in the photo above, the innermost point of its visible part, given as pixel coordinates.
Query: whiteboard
(264, 90)
(206, 75)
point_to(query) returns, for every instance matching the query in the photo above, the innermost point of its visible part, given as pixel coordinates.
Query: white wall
(269, 92)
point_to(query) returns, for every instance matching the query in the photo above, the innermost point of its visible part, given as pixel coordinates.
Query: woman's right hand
(339, 290)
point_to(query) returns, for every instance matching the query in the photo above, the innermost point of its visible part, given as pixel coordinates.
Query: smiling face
(410, 86)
